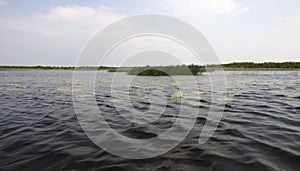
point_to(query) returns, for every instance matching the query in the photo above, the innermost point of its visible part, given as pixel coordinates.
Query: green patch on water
(243, 87)
(277, 87)
(201, 92)
(55, 80)
(84, 95)
(226, 99)
(64, 90)
(178, 95)
(156, 82)
(38, 129)
(13, 89)
(193, 103)
(290, 96)
(144, 97)
(16, 85)
(237, 94)
(279, 83)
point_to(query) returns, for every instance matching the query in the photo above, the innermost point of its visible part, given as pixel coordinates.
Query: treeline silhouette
(167, 70)
(36, 68)
(263, 65)
(55, 68)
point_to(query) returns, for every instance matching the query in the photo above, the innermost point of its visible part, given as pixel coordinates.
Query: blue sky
(54, 32)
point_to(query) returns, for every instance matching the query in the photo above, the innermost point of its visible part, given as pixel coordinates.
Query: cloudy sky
(54, 32)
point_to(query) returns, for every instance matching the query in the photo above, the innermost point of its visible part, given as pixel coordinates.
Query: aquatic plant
(226, 99)
(193, 103)
(64, 90)
(178, 95)
(237, 94)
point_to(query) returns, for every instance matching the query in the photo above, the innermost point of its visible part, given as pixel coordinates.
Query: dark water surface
(260, 128)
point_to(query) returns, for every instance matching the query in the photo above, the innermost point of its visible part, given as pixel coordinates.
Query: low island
(171, 70)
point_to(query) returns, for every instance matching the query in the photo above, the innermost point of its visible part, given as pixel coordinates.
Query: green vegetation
(238, 66)
(35, 68)
(167, 70)
(226, 99)
(263, 65)
(120, 69)
(55, 68)
(178, 95)
(171, 70)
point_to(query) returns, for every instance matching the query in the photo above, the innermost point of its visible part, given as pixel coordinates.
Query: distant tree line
(55, 68)
(35, 68)
(167, 70)
(263, 65)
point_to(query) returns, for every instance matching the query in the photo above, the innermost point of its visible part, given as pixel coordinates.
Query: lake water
(259, 130)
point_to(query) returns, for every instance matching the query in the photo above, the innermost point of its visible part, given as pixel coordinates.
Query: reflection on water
(259, 129)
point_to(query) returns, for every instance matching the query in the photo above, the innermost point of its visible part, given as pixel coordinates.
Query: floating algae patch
(144, 97)
(237, 94)
(245, 83)
(64, 90)
(243, 87)
(290, 96)
(193, 103)
(178, 95)
(277, 87)
(151, 87)
(13, 89)
(279, 83)
(13, 79)
(55, 80)
(38, 80)
(159, 82)
(226, 99)
(77, 90)
(38, 129)
(17, 85)
(114, 101)
(201, 92)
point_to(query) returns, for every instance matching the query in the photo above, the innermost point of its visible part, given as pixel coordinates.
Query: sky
(54, 32)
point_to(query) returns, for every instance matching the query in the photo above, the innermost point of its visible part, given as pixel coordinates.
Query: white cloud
(205, 11)
(52, 38)
(2, 2)
(65, 21)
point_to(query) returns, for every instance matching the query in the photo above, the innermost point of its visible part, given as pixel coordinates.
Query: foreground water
(259, 130)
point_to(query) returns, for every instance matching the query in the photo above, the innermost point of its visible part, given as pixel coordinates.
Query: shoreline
(176, 69)
(261, 69)
(224, 68)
